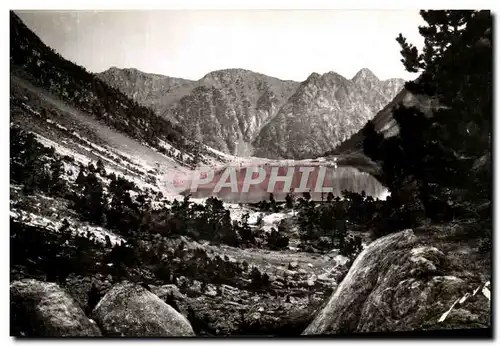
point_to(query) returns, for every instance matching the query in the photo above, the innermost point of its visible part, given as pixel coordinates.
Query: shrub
(352, 247)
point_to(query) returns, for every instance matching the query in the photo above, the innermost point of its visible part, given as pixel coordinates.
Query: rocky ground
(400, 282)
(299, 282)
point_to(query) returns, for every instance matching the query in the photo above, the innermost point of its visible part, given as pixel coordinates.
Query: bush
(352, 247)
(259, 280)
(276, 240)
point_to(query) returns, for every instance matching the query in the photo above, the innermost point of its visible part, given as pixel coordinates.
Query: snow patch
(53, 225)
(274, 218)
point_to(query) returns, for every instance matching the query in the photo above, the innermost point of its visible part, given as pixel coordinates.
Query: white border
(248, 4)
(187, 4)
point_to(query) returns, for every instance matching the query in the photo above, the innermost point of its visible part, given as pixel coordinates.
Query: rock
(78, 288)
(309, 265)
(163, 291)
(400, 283)
(43, 309)
(172, 296)
(484, 210)
(311, 281)
(132, 311)
(228, 288)
(482, 163)
(196, 286)
(340, 260)
(293, 265)
(211, 291)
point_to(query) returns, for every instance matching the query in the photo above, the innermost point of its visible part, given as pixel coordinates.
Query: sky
(287, 44)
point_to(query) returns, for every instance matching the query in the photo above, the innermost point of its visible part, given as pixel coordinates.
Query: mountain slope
(33, 61)
(225, 109)
(324, 111)
(384, 122)
(151, 90)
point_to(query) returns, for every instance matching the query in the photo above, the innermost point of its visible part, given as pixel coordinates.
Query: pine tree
(371, 141)
(456, 66)
(289, 201)
(90, 200)
(272, 202)
(57, 183)
(330, 197)
(100, 167)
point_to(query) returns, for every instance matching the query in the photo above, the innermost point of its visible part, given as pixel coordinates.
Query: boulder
(131, 310)
(43, 309)
(293, 265)
(401, 283)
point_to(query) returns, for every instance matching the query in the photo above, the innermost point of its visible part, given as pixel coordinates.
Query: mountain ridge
(235, 110)
(35, 62)
(324, 111)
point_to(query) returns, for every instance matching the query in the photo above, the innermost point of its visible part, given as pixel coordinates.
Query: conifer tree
(456, 74)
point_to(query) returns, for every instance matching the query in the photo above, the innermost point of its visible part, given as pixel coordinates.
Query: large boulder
(43, 309)
(131, 310)
(403, 282)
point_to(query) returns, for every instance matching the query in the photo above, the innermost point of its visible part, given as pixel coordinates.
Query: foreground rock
(130, 310)
(400, 283)
(43, 309)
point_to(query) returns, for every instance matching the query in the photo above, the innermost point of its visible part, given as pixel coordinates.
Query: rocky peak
(228, 72)
(333, 76)
(364, 75)
(324, 111)
(313, 77)
(325, 83)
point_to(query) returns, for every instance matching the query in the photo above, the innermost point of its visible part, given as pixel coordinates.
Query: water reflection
(338, 178)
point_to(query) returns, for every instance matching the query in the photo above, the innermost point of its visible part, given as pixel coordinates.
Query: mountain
(151, 90)
(243, 112)
(225, 109)
(384, 122)
(324, 111)
(38, 69)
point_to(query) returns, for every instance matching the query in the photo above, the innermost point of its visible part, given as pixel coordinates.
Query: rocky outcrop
(324, 111)
(228, 311)
(408, 281)
(43, 309)
(132, 311)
